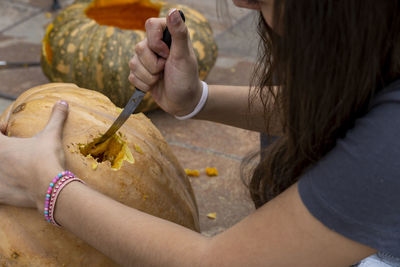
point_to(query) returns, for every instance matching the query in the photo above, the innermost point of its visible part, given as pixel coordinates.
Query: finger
(154, 30)
(142, 73)
(180, 47)
(148, 58)
(57, 119)
(138, 83)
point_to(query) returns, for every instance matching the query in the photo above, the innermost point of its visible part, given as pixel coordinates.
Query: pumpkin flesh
(123, 14)
(115, 150)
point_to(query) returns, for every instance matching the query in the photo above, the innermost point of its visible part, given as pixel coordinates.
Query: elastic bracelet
(62, 185)
(200, 105)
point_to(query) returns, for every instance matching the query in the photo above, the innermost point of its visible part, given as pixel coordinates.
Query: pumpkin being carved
(90, 44)
(136, 167)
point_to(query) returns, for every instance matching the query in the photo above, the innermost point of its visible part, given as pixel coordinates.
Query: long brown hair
(330, 58)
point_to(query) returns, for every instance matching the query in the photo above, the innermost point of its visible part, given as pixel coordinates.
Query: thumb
(3, 127)
(180, 47)
(57, 119)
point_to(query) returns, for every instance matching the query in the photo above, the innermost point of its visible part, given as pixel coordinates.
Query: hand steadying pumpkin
(173, 78)
(25, 162)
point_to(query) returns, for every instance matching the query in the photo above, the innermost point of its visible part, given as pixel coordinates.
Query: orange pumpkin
(136, 167)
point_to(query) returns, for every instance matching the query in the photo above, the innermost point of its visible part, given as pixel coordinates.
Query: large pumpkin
(90, 44)
(136, 168)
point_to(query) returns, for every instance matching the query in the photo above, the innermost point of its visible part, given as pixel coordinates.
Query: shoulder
(355, 188)
(385, 107)
(389, 95)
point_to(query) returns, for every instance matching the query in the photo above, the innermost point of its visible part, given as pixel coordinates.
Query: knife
(135, 99)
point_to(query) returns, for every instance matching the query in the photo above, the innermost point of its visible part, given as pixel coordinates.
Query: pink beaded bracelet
(53, 191)
(49, 190)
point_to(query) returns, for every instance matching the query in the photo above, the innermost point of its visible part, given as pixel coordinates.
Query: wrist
(44, 178)
(199, 101)
(194, 98)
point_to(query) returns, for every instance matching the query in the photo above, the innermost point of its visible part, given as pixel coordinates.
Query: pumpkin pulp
(114, 150)
(123, 14)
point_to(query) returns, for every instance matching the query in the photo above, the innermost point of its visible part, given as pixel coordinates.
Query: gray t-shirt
(355, 189)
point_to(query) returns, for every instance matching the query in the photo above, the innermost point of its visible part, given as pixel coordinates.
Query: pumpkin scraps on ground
(212, 215)
(193, 173)
(196, 173)
(211, 171)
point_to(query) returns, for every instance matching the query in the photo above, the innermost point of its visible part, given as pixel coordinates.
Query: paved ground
(197, 144)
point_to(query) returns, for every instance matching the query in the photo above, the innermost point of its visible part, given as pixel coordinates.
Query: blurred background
(197, 144)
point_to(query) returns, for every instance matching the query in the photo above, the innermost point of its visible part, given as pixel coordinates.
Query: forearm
(230, 105)
(131, 238)
(126, 235)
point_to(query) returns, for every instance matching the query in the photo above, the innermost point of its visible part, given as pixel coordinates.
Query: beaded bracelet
(53, 191)
(49, 190)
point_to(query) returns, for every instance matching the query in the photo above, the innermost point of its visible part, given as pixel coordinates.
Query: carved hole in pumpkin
(123, 14)
(114, 150)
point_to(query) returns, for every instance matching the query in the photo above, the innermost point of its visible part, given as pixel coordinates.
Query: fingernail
(171, 11)
(63, 102)
(175, 16)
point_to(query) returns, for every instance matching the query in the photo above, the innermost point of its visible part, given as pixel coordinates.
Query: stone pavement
(197, 144)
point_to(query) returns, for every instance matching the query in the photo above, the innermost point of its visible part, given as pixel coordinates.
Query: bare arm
(174, 82)
(230, 105)
(281, 233)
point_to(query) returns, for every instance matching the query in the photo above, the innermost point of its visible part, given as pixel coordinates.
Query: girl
(327, 191)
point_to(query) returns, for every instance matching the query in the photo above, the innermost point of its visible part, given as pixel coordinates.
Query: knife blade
(135, 99)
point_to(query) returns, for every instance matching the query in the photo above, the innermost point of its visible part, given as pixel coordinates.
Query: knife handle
(167, 35)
